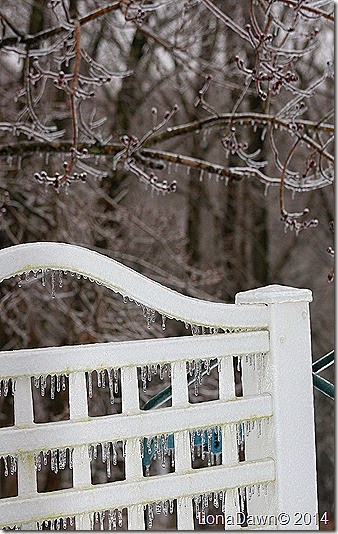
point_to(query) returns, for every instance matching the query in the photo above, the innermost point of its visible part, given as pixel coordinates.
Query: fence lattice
(259, 447)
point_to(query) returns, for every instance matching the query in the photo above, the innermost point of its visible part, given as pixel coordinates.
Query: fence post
(290, 384)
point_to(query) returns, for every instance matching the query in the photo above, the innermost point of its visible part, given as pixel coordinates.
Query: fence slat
(78, 409)
(24, 415)
(133, 460)
(229, 439)
(180, 397)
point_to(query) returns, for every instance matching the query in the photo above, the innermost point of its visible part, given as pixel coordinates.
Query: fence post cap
(273, 294)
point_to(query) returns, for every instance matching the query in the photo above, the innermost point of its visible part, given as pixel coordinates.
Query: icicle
(223, 500)
(4, 459)
(165, 507)
(163, 322)
(54, 461)
(101, 518)
(197, 501)
(90, 384)
(111, 520)
(52, 387)
(62, 458)
(119, 518)
(202, 445)
(107, 447)
(94, 451)
(63, 382)
(201, 175)
(197, 377)
(43, 278)
(43, 385)
(194, 329)
(37, 461)
(150, 515)
(239, 361)
(5, 387)
(192, 445)
(53, 275)
(58, 383)
(111, 386)
(144, 377)
(161, 371)
(45, 457)
(13, 464)
(114, 454)
(162, 453)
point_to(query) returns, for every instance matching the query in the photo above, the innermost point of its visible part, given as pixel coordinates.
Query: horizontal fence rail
(58, 360)
(245, 437)
(37, 257)
(119, 427)
(170, 486)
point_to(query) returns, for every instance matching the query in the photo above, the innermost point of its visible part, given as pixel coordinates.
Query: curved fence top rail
(98, 268)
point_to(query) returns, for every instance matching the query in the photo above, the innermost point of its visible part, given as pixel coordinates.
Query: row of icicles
(113, 519)
(202, 445)
(110, 377)
(57, 281)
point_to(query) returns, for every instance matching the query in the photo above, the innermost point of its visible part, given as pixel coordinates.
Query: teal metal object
(163, 396)
(320, 383)
(156, 402)
(323, 362)
(150, 448)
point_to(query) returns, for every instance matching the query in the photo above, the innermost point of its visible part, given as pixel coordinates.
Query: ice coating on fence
(37, 259)
(216, 455)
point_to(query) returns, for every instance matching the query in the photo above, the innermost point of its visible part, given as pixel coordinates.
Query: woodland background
(203, 128)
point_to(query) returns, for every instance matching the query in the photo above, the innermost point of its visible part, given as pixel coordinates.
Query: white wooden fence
(268, 329)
